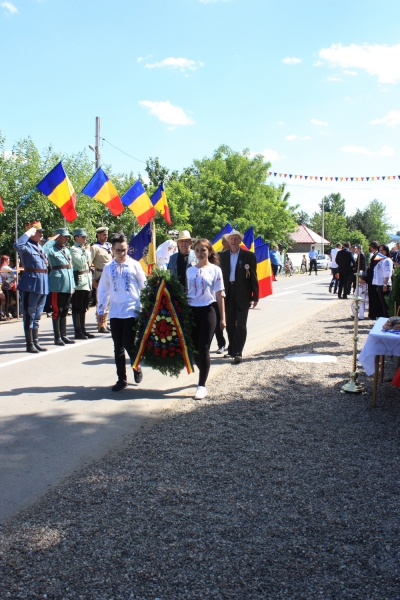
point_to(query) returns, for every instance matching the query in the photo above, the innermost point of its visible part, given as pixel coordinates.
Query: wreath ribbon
(161, 292)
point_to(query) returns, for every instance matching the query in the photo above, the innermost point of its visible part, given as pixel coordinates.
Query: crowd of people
(375, 276)
(220, 287)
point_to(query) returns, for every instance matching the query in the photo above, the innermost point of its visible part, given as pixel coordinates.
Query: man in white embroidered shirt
(120, 283)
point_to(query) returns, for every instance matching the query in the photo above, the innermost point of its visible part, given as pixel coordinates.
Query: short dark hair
(118, 238)
(346, 244)
(374, 245)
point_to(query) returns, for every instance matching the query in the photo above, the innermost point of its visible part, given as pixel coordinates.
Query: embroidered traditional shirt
(121, 284)
(203, 283)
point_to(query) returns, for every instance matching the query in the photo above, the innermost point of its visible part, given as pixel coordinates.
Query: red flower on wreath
(157, 351)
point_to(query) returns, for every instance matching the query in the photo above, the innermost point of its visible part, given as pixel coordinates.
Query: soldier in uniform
(33, 284)
(61, 283)
(101, 255)
(80, 255)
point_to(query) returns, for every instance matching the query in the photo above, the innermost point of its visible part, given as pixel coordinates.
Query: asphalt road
(57, 411)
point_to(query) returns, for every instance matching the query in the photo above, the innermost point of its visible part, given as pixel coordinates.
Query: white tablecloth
(378, 343)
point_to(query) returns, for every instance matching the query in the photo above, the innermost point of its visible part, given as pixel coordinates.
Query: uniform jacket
(60, 280)
(245, 288)
(345, 261)
(80, 262)
(32, 257)
(173, 262)
(101, 256)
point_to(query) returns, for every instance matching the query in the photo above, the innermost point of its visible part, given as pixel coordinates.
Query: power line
(123, 152)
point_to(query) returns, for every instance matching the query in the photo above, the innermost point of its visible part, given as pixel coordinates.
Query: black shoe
(228, 355)
(138, 375)
(237, 359)
(340, 297)
(120, 385)
(344, 297)
(103, 330)
(330, 290)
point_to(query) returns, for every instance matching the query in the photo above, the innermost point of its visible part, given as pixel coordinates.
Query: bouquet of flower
(164, 325)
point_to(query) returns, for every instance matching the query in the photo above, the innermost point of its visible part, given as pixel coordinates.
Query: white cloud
(268, 154)
(392, 119)
(316, 122)
(382, 60)
(306, 137)
(184, 64)
(334, 79)
(167, 112)
(291, 60)
(384, 151)
(350, 72)
(281, 123)
(9, 8)
(319, 63)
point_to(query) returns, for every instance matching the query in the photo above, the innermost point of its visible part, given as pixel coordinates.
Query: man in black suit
(239, 270)
(346, 264)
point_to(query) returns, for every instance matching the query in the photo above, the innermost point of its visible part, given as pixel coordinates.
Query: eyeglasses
(121, 251)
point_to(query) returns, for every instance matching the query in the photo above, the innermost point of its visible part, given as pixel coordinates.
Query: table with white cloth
(378, 345)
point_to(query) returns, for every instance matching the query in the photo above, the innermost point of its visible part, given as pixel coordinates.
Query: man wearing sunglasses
(121, 282)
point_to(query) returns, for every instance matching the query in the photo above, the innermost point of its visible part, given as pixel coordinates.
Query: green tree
(230, 186)
(372, 221)
(334, 203)
(335, 227)
(303, 218)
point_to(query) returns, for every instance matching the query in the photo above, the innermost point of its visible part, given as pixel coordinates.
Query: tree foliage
(372, 221)
(228, 187)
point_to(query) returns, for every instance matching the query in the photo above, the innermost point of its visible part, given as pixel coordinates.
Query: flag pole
(29, 194)
(152, 249)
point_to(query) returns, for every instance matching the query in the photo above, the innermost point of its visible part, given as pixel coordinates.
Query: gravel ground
(275, 486)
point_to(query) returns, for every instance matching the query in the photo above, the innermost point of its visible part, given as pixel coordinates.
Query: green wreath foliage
(172, 362)
(393, 301)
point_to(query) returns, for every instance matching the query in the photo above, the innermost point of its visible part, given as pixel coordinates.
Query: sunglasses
(121, 251)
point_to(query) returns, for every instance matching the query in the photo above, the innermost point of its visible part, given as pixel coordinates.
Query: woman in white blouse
(382, 280)
(205, 285)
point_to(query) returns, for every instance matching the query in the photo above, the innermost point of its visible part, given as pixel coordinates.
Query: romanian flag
(258, 241)
(379, 256)
(138, 201)
(159, 201)
(1, 205)
(100, 188)
(248, 240)
(217, 241)
(264, 271)
(58, 188)
(139, 246)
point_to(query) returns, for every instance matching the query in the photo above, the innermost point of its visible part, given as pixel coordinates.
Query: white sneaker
(220, 350)
(201, 393)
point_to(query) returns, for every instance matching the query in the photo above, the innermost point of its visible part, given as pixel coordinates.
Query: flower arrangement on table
(164, 325)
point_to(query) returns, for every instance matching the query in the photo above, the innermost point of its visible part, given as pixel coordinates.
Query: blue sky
(313, 85)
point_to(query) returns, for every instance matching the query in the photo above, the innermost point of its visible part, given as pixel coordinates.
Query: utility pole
(323, 226)
(97, 144)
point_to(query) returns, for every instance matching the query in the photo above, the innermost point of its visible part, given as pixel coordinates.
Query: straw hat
(234, 232)
(184, 235)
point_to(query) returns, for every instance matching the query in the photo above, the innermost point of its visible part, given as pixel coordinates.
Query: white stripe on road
(58, 349)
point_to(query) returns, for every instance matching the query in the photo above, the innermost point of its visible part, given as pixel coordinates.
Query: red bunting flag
(1, 205)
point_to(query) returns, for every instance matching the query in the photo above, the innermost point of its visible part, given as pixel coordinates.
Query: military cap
(36, 224)
(79, 231)
(62, 231)
(102, 230)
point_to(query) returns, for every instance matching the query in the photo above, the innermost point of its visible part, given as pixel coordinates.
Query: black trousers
(205, 320)
(382, 309)
(374, 302)
(218, 331)
(123, 337)
(236, 325)
(80, 301)
(313, 263)
(60, 302)
(344, 283)
(275, 269)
